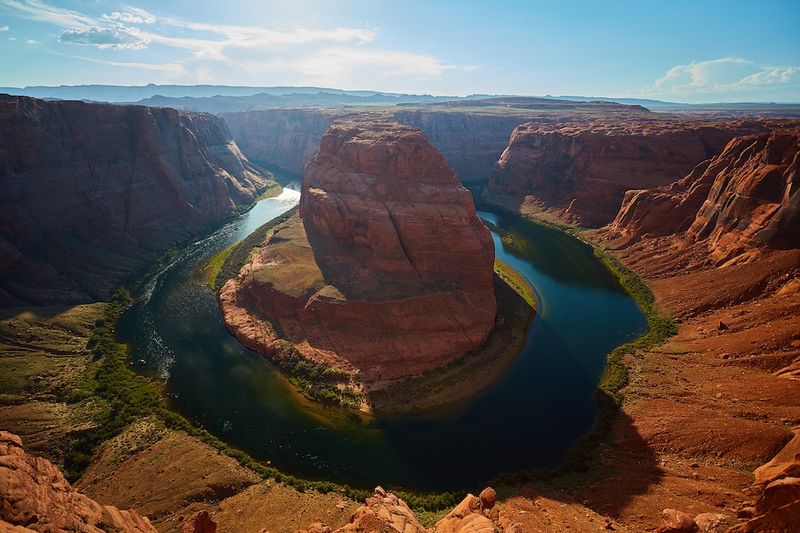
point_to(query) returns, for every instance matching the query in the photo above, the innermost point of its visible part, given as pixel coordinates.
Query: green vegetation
(214, 266)
(272, 191)
(124, 394)
(659, 326)
(317, 382)
(516, 281)
(230, 261)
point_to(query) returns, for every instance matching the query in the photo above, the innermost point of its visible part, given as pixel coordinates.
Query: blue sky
(691, 51)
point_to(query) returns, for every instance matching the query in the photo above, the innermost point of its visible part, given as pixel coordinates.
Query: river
(529, 418)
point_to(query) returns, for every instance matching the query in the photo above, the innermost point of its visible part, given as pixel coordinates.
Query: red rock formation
(199, 522)
(777, 491)
(34, 496)
(91, 193)
(729, 208)
(581, 169)
(390, 271)
(386, 513)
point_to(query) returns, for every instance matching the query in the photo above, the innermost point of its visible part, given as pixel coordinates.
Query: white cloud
(4, 28)
(12, 38)
(729, 77)
(133, 15)
(120, 37)
(31, 41)
(207, 51)
(36, 10)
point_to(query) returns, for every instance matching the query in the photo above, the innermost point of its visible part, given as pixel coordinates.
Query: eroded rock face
(743, 200)
(581, 169)
(35, 496)
(389, 271)
(386, 513)
(287, 138)
(91, 193)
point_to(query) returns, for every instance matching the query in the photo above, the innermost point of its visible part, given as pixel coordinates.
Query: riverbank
(695, 404)
(164, 445)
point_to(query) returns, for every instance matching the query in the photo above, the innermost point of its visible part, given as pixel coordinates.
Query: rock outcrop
(91, 193)
(387, 273)
(729, 208)
(386, 513)
(581, 169)
(34, 496)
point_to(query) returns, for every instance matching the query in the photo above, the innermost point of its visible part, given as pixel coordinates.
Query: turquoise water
(528, 418)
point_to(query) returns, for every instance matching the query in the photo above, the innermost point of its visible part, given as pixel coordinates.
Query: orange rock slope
(389, 271)
(720, 249)
(34, 496)
(581, 169)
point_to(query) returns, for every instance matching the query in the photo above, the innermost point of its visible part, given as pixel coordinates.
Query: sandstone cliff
(388, 274)
(287, 138)
(729, 208)
(581, 169)
(36, 497)
(471, 142)
(91, 193)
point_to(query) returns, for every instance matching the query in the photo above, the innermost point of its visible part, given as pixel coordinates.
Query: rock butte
(581, 170)
(388, 271)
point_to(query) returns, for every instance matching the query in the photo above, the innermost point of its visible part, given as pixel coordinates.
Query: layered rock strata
(36, 497)
(91, 193)
(388, 272)
(582, 169)
(728, 209)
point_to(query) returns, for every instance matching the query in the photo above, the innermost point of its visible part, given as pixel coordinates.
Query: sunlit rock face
(581, 169)
(387, 272)
(733, 206)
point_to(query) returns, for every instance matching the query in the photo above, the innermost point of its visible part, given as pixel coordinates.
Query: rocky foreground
(91, 194)
(387, 273)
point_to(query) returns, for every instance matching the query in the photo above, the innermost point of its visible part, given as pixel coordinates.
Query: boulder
(34, 493)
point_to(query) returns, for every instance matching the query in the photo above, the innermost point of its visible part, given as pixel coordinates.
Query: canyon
(91, 194)
(705, 211)
(387, 272)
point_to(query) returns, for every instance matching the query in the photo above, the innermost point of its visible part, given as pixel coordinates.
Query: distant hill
(229, 98)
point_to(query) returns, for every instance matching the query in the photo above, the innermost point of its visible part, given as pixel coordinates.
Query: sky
(687, 51)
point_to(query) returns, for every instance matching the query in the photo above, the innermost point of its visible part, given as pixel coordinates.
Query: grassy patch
(272, 191)
(516, 281)
(239, 253)
(214, 266)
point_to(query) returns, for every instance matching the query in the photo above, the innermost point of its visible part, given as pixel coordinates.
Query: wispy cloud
(726, 75)
(168, 68)
(332, 55)
(121, 37)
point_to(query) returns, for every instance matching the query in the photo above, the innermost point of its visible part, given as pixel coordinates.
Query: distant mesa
(386, 273)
